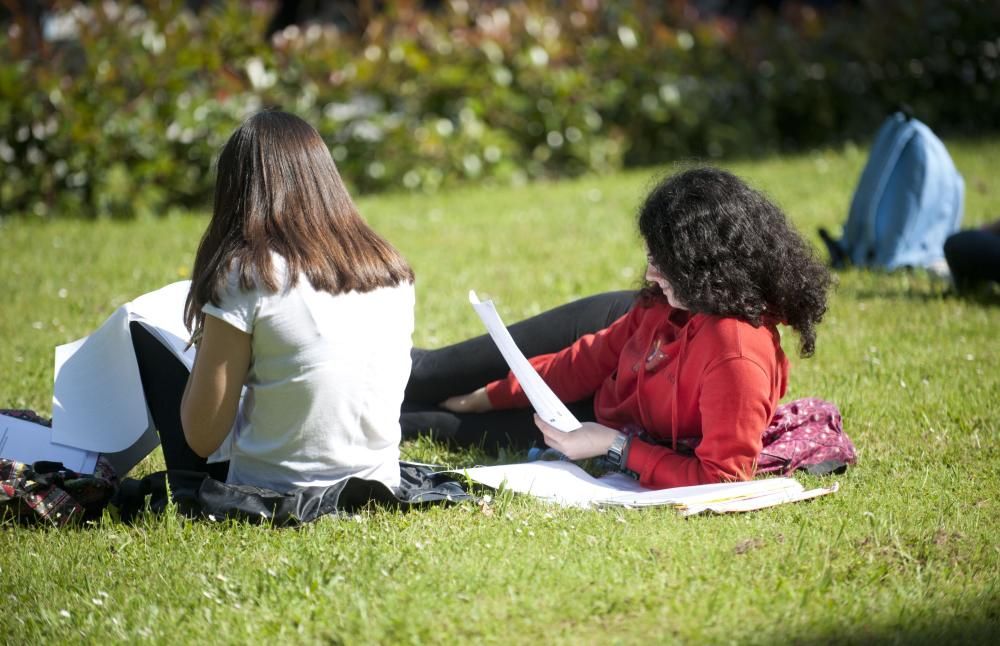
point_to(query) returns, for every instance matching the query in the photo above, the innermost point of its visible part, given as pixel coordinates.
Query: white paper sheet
(162, 313)
(761, 502)
(542, 399)
(566, 484)
(28, 442)
(557, 481)
(97, 402)
(704, 496)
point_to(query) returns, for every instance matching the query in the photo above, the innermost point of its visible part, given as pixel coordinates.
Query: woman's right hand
(474, 402)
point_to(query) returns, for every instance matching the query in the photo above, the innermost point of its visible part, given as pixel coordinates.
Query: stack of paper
(97, 402)
(27, 442)
(560, 482)
(724, 497)
(566, 484)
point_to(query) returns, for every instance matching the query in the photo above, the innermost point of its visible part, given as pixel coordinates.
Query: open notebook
(566, 484)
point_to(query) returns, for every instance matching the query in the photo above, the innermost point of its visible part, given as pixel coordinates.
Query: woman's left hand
(588, 441)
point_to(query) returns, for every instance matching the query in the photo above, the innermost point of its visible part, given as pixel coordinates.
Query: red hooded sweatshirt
(683, 378)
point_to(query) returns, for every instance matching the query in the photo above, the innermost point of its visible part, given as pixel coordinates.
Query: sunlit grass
(905, 552)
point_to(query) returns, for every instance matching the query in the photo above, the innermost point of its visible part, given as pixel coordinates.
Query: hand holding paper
(588, 441)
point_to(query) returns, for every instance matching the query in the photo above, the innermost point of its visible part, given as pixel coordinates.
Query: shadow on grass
(985, 295)
(983, 298)
(979, 627)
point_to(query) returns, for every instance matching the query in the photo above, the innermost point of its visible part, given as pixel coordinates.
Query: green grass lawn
(907, 551)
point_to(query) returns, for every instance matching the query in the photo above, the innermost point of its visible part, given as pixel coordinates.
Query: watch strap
(618, 451)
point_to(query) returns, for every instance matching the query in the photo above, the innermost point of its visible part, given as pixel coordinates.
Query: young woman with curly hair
(675, 384)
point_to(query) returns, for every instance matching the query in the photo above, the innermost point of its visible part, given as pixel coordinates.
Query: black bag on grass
(199, 496)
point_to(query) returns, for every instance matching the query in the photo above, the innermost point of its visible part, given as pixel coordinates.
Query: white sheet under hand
(566, 484)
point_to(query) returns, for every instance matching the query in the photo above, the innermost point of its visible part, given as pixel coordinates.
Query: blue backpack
(908, 200)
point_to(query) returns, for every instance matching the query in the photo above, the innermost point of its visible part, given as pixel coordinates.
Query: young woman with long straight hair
(294, 297)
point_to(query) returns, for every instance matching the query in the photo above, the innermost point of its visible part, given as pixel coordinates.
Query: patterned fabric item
(45, 491)
(806, 434)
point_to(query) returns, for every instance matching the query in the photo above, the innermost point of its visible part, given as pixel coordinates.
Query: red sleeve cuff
(639, 455)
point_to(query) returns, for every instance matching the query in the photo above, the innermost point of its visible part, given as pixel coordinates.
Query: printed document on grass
(568, 485)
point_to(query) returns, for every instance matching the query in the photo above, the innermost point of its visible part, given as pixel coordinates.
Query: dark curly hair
(728, 250)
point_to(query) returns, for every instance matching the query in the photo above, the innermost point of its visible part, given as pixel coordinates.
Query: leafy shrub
(125, 118)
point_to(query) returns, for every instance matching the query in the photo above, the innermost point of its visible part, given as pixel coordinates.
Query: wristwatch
(617, 455)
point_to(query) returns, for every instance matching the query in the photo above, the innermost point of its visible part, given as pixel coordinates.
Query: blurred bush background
(117, 109)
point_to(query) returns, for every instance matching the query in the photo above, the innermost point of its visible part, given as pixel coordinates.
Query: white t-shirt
(325, 385)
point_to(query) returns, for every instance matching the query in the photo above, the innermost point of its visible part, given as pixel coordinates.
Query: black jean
(163, 380)
(973, 257)
(463, 367)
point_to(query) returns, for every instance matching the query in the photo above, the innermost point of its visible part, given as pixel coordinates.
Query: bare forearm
(212, 394)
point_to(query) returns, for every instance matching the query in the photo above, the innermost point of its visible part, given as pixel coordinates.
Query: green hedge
(126, 118)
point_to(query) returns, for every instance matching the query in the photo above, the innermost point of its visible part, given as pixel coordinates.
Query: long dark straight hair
(278, 190)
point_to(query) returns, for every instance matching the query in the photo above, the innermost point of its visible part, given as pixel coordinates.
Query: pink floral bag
(806, 434)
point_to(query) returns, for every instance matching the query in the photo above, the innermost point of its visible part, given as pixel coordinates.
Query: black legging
(163, 380)
(463, 367)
